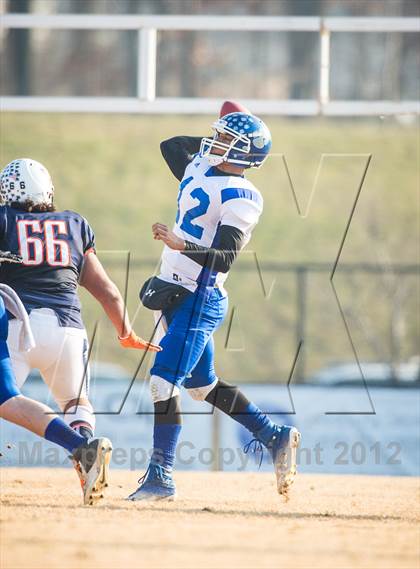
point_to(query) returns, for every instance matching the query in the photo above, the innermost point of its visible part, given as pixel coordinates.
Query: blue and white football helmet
(26, 179)
(250, 144)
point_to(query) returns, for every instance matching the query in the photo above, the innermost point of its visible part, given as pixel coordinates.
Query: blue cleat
(156, 484)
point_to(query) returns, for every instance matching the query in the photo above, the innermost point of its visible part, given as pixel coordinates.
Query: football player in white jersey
(217, 210)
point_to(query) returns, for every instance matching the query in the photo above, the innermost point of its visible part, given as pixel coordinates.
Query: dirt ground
(220, 520)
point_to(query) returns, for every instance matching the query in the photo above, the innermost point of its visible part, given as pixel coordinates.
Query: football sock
(229, 399)
(60, 433)
(166, 431)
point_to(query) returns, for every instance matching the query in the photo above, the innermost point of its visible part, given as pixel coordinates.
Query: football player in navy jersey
(90, 457)
(218, 209)
(58, 253)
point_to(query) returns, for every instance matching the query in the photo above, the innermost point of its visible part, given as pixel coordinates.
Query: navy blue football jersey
(53, 246)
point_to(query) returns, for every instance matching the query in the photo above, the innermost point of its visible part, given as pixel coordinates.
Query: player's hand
(134, 341)
(8, 257)
(161, 232)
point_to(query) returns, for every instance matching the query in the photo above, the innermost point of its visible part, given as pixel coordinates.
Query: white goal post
(147, 27)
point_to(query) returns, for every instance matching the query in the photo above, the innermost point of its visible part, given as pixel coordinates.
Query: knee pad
(79, 415)
(200, 393)
(162, 390)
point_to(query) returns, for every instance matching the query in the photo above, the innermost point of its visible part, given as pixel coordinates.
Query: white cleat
(284, 447)
(91, 461)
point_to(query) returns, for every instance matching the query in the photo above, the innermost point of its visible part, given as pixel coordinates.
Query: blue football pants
(187, 357)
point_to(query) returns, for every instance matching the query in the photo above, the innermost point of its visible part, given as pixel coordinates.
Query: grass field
(109, 169)
(220, 520)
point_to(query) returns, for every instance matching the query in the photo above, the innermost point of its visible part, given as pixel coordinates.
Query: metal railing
(147, 27)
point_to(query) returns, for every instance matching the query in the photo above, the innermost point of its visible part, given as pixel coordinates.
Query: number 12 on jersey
(197, 211)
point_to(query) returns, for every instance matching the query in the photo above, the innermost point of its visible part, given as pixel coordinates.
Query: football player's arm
(230, 240)
(95, 279)
(178, 153)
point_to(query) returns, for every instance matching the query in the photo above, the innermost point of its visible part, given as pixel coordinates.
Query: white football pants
(60, 354)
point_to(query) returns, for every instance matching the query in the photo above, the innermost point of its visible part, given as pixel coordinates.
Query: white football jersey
(206, 200)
